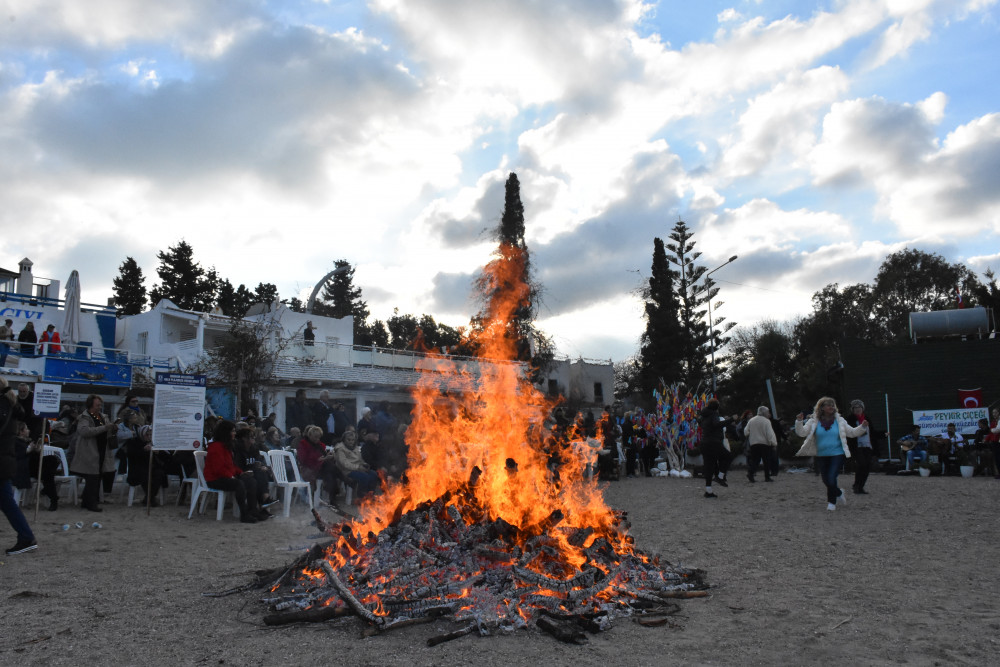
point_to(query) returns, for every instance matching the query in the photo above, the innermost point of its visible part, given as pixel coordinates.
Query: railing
(27, 300)
(341, 354)
(85, 351)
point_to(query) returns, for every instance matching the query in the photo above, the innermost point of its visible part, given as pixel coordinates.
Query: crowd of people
(333, 452)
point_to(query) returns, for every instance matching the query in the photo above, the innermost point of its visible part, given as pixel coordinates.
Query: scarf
(827, 423)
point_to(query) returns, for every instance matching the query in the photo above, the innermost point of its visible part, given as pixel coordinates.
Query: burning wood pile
(446, 559)
(496, 525)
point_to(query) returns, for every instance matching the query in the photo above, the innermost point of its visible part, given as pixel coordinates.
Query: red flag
(970, 398)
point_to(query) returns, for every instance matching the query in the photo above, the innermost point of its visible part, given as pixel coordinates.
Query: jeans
(13, 513)
(829, 468)
(914, 454)
(243, 488)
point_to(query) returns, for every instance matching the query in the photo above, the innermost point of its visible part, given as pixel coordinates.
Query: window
(553, 387)
(143, 342)
(598, 393)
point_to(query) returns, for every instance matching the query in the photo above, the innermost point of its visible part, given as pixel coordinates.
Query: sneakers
(721, 481)
(708, 494)
(22, 546)
(841, 499)
(831, 507)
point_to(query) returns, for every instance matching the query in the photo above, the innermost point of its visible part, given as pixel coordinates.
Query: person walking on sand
(713, 452)
(826, 435)
(10, 414)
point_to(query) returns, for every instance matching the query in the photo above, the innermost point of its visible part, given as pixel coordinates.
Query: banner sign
(178, 411)
(47, 397)
(935, 422)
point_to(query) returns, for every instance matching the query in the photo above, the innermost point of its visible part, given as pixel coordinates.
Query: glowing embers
(436, 561)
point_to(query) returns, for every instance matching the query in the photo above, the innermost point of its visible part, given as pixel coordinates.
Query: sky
(809, 139)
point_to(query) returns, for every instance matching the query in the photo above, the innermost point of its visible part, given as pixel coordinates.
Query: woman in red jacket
(222, 474)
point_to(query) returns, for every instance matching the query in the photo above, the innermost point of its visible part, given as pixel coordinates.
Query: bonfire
(495, 525)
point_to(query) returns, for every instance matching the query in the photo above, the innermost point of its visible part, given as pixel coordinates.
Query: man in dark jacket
(298, 413)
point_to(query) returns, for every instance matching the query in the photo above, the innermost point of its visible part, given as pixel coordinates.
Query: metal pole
(888, 437)
(711, 337)
(770, 396)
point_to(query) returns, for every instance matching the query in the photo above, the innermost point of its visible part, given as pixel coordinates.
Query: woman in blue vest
(826, 435)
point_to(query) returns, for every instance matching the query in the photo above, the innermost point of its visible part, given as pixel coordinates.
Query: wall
(924, 376)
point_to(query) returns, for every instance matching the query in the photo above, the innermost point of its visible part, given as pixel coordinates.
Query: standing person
(309, 335)
(713, 452)
(28, 339)
(760, 440)
(10, 415)
(628, 444)
(863, 448)
(826, 435)
(222, 473)
(132, 405)
(298, 415)
(322, 416)
(6, 335)
(92, 459)
(138, 450)
(26, 397)
(50, 336)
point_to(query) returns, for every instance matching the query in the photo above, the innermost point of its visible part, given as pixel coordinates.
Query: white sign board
(47, 397)
(178, 411)
(935, 422)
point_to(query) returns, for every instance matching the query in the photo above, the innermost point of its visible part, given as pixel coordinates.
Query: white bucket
(925, 472)
(967, 471)
(662, 465)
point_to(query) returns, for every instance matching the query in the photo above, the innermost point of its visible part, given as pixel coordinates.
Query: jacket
(8, 438)
(808, 431)
(349, 460)
(760, 432)
(53, 341)
(219, 462)
(86, 459)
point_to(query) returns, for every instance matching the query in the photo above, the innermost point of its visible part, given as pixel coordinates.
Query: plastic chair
(279, 458)
(202, 487)
(65, 477)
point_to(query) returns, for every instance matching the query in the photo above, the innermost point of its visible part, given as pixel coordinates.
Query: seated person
(138, 450)
(50, 465)
(949, 442)
(273, 439)
(314, 463)
(984, 444)
(246, 455)
(915, 446)
(222, 473)
(350, 461)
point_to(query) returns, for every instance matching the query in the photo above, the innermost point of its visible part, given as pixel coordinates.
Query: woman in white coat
(826, 435)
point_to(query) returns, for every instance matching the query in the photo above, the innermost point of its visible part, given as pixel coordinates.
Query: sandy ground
(905, 575)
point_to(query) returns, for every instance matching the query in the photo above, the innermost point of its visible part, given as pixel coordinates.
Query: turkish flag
(970, 398)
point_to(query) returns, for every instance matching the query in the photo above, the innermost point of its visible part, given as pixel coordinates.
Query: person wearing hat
(50, 336)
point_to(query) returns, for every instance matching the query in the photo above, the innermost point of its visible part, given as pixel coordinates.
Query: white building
(116, 352)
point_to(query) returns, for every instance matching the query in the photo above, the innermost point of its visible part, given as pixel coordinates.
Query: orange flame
(496, 422)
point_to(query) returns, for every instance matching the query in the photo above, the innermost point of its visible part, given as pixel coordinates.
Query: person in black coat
(713, 452)
(10, 415)
(138, 449)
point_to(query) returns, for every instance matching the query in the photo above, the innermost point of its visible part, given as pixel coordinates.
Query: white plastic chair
(278, 458)
(202, 487)
(65, 477)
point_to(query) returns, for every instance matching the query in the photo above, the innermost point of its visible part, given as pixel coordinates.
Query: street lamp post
(711, 328)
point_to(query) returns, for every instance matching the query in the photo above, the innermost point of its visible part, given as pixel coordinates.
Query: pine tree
(662, 350)
(183, 281)
(265, 293)
(130, 292)
(530, 343)
(692, 297)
